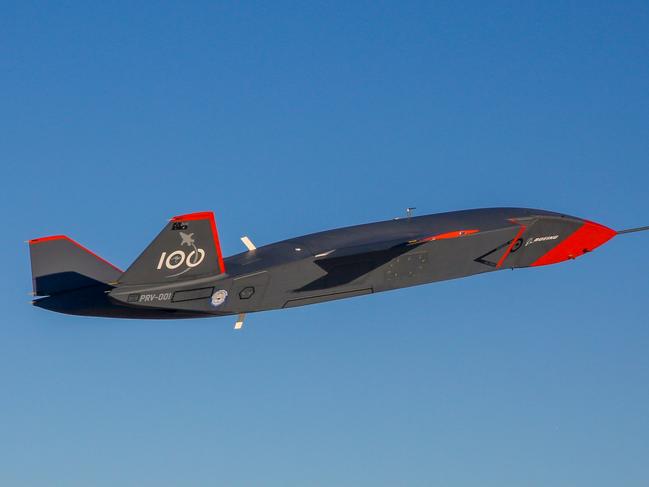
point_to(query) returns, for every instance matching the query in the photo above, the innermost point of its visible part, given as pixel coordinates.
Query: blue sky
(288, 118)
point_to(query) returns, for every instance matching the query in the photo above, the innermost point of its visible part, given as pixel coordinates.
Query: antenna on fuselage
(239, 322)
(248, 243)
(410, 210)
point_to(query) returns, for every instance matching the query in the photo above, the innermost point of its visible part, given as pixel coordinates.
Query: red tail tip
(202, 215)
(47, 239)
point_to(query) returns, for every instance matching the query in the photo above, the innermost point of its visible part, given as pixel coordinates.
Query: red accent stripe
(46, 239)
(201, 215)
(63, 237)
(586, 238)
(455, 234)
(511, 245)
(205, 215)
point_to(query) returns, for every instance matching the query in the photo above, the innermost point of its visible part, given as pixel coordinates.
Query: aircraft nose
(585, 239)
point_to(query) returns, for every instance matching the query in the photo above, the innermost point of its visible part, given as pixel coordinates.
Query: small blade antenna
(239, 322)
(248, 243)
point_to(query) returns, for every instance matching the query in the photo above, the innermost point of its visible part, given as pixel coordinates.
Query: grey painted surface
(314, 268)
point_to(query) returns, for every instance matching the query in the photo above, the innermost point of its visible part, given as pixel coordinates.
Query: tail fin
(187, 247)
(60, 264)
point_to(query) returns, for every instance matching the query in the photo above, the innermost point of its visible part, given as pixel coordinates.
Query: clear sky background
(289, 118)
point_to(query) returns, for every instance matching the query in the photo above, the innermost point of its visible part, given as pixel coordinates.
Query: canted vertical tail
(187, 248)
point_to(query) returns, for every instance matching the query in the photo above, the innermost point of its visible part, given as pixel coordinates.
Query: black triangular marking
(517, 245)
(482, 259)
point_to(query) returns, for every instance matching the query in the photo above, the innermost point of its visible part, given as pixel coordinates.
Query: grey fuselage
(355, 260)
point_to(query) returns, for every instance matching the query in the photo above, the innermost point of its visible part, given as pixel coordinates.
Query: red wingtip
(585, 239)
(201, 215)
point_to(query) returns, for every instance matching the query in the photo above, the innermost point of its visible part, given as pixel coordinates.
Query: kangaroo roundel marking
(218, 298)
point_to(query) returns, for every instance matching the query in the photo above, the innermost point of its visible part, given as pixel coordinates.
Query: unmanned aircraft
(183, 274)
